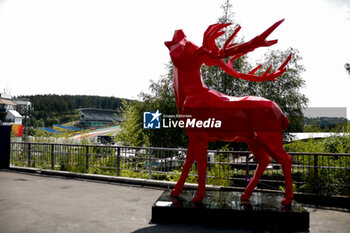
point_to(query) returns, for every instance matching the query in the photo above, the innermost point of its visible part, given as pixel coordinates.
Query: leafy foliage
(132, 133)
(333, 144)
(320, 178)
(286, 92)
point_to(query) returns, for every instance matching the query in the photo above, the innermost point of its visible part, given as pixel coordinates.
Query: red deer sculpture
(257, 121)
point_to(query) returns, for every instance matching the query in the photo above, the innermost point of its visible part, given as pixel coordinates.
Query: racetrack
(97, 132)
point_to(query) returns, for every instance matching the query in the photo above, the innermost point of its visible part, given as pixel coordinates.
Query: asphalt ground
(41, 203)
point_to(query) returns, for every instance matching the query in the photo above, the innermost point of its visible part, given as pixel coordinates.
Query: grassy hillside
(58, 109)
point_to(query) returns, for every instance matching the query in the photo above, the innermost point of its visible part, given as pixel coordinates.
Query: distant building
(8, 113)
(12, 112)
(98, 117)
(23, 106)
(5, 106)
(14, 117)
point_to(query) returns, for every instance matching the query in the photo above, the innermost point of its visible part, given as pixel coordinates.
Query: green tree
(285, 92)
(132, 133)
(162, 98)
(214, 77)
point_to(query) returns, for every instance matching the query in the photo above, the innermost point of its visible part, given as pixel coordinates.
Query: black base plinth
(264, 211)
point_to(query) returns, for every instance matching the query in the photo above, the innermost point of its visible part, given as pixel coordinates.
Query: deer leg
(287, 171)
(200, 155)
(185, 170)
(263, 160)
(282, 157)
(285, 160)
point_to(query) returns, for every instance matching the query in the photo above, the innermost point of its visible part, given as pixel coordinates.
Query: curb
(117, 179)
(342, 202)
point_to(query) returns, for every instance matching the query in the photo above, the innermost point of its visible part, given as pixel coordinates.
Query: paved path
(36, 203)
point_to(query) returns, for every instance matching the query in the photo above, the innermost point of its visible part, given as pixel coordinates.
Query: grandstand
(98, 117)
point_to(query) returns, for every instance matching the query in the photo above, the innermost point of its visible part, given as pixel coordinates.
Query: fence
(321, 173)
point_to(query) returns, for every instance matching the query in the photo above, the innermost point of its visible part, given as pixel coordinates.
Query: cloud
(2, 2)
(343, 5)
(342, 2)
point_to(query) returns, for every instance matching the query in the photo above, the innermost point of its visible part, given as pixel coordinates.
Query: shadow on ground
(194, 228)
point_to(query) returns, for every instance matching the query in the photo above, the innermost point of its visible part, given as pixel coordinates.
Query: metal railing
(321, 173)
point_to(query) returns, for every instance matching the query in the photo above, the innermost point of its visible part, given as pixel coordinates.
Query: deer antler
(214, 55)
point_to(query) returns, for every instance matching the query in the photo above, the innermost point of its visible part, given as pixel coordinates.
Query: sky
(114, 48)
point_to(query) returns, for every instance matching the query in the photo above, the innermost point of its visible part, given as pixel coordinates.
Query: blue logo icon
(151, 120)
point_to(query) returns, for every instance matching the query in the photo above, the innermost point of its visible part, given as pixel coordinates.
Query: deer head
(184, 53)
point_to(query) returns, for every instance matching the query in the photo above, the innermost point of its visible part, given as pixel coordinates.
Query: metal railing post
(87, 160)
(29, 154)
(52, 157)
(332, 165)
(118, 161)
(247, 168)
(150, 164)
(315, 173)
(208, 164)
